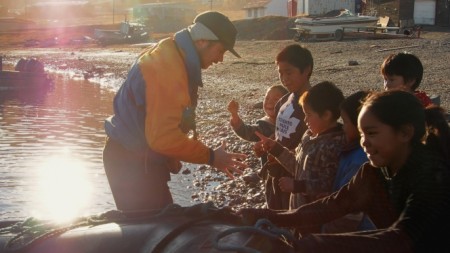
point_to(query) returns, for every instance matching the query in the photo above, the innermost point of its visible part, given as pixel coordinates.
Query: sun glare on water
(63, 189)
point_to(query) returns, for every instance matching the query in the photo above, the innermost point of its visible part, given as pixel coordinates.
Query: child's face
(384, 146)
(396, 82)
(316, 124)
(350, 130)
(270, 100)
(291, 77)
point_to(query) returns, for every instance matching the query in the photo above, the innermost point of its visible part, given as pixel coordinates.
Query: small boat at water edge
(198, 228)
(16, 80)
(28, 74)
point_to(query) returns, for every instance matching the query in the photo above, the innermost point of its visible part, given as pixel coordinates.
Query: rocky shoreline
(353, 64)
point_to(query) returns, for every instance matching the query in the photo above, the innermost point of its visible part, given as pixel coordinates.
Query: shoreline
(246, 80)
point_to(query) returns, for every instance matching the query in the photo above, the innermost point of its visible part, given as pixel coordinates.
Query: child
(404, 71)
(351, 158)
(405, 187)
(316, 159)
(295, 64)
(317, 156)
(438, 130)
(265, 125)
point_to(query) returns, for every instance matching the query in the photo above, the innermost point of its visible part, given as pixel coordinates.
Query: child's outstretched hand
(233, 107)
(258, 149)
(286, 184)
(266, 143)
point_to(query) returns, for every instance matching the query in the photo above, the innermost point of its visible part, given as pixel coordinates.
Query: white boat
(332, 23)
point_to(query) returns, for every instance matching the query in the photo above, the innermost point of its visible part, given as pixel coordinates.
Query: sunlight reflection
(63, 188)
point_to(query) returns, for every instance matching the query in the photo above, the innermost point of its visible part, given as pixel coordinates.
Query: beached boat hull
(11, 80)
(28, 74)
(128, 238)
(191, 230)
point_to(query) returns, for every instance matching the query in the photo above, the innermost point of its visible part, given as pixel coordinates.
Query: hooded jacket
(149, 106)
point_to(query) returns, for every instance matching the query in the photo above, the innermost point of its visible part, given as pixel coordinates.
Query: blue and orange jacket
(149, 105)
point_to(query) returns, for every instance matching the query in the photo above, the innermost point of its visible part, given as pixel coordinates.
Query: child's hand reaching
(266, 143)
(233, 107)
(286, 184)
(258, 149)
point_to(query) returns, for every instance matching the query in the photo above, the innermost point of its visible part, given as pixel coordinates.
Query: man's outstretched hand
(227, 162)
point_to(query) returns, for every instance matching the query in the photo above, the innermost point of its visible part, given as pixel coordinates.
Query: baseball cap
(221, 26)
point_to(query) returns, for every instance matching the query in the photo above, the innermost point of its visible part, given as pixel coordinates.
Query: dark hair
(438, 131)
(297, 56)
(352, 105)
(279, 88)
(406, 65)
(322, 97)
(398, 108)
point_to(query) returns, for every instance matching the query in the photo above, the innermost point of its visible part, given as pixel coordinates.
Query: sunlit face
(316, 124)
(350, 130)
(292, 78)
(270, 100)
(384, 146)
(396, 82)
(210, 53)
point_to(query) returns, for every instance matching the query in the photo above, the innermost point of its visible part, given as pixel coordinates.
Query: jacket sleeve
(247, 131)
(420, 226)
(167, 96)
(350, 198)
(285, 157)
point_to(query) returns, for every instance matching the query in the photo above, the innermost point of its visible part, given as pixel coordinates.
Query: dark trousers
(275, 198)
(137, 183)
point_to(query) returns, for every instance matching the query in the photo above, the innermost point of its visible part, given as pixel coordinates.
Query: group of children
(381, 179)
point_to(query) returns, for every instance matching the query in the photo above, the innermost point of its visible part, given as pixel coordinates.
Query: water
(51, 153)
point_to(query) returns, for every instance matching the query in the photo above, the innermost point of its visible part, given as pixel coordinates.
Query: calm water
(51, 153)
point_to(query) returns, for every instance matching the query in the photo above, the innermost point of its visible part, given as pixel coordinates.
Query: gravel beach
(352, 64)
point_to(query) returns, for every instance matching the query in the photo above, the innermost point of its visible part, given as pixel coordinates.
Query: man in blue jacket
(154, 112)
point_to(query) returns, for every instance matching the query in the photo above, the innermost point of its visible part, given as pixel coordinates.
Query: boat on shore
(128, 33)
(198, 228)
(28, 74)
(331, 24)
